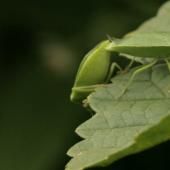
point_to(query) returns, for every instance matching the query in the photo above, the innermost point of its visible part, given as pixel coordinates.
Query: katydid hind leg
(129, 65)
(112, 69)
(136, 72)
(79, 93)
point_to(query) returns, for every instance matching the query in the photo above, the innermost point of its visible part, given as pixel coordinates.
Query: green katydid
(94, 70)
(146, 48)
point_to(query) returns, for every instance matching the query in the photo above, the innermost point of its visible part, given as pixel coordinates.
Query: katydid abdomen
(92, 71)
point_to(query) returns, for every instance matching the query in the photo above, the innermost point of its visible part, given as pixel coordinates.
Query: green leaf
(150, 40)
(140, 119)
(159, 23)
(152, 45)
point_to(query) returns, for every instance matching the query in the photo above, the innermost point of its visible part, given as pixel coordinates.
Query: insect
(94, 70)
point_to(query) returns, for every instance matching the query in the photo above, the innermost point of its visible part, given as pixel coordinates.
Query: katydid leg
(138, 71)
(112, 69)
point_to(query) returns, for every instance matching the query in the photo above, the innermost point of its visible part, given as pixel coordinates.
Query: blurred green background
(41, 45)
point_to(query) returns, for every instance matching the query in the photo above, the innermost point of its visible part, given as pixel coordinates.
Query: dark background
(41, 45)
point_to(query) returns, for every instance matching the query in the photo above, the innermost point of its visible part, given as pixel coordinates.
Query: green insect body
(146, 48)
(92, 72)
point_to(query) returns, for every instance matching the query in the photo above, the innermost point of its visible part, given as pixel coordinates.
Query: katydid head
(92, 71)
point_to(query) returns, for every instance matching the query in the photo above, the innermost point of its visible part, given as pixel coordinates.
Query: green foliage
(140, 118)
(152, 33)
(151, 45)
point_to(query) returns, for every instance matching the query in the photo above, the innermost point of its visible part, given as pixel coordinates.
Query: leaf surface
(153, 45)
(138, 120)
(124, 125)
